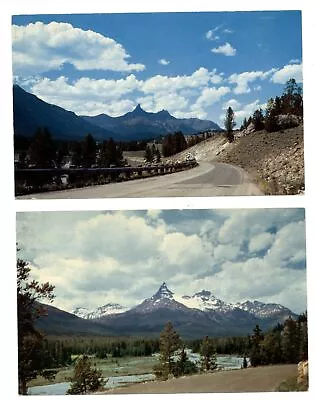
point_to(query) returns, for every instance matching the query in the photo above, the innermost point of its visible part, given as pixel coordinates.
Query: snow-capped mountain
(193, 315)
(263, 310)
(163, 298)
(107, 309)
(205, 301)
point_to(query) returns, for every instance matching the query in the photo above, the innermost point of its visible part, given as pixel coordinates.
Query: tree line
(290, 103)
(285, 343)
(41, 151)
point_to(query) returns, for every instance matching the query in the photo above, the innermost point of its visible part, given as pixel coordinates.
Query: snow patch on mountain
(205, 301)
(107, 309)
(263, 310)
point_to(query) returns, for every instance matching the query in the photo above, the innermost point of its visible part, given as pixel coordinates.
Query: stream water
(224, 362)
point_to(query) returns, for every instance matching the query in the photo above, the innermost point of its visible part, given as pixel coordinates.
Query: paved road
(208, 179)
(262, 379)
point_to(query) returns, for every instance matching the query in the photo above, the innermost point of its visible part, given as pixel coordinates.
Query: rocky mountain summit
(203, 301)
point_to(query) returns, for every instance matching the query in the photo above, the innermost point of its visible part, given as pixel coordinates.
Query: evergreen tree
(290, 341)
(42, 149)
(258, 120)
(272, 348)
(76, 153)
(229, 124)
(148, 154)
(88, 151)
(85, 379)
(29, 310)
(255, 351)
(292, 98)
(169, 343)
(209, 359)
(158, 156)
(270, 117)
(184, 366)
(303, 336)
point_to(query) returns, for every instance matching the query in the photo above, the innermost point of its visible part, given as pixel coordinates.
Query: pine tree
(42, 149)
(255, 351)
(29, 310)
(229, 124)
(88, 151)
(258, 120)
(209, 359)
(148, 154)
(290, 341)
(158, 156)
(85, 379)
(184, 366)
(169, 343)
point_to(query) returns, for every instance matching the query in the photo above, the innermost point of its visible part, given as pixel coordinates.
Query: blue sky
(253, 254)
(192, 64)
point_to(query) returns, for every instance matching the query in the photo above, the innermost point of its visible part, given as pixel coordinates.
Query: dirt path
(262, 379)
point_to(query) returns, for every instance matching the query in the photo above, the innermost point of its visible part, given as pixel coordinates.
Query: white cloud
(87, 96)
(210, 96)
(210, 35)
(235, 104)
(101, 259)
(39, 47)
(162, 61)
(260, 242)
(295, 61)
(227, 30)
(226, 49)
(243, 79)
(287, 72)
(247, 110)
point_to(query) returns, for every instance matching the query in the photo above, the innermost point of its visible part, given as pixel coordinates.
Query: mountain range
(139, 124)
(30, 113)
(193, 316)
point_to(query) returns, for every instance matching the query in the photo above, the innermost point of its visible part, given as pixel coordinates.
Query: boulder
(285, 121)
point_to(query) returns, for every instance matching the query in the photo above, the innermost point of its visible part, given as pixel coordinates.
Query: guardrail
(31, 180)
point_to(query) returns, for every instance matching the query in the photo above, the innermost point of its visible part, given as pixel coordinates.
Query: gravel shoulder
(262, 379)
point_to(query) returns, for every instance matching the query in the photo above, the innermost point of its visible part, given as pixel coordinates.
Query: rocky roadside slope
(274, 159)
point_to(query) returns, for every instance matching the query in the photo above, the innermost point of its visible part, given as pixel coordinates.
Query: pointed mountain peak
(138, 110)
(164, 292)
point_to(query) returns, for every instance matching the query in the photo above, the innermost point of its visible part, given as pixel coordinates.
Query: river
(224, 362)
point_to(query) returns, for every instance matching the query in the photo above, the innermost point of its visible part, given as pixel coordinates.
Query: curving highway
(208, 179)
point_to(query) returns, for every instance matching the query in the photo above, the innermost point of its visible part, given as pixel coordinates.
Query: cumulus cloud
(162, 61)
(87, 96)
(210, 96)
(243, 79)
(235, 104)
(287, 72)
(39, 47)
(123, 257)
(260, 242)
(226, 49)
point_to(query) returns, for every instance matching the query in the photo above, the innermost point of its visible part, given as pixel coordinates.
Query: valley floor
(262, 379)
